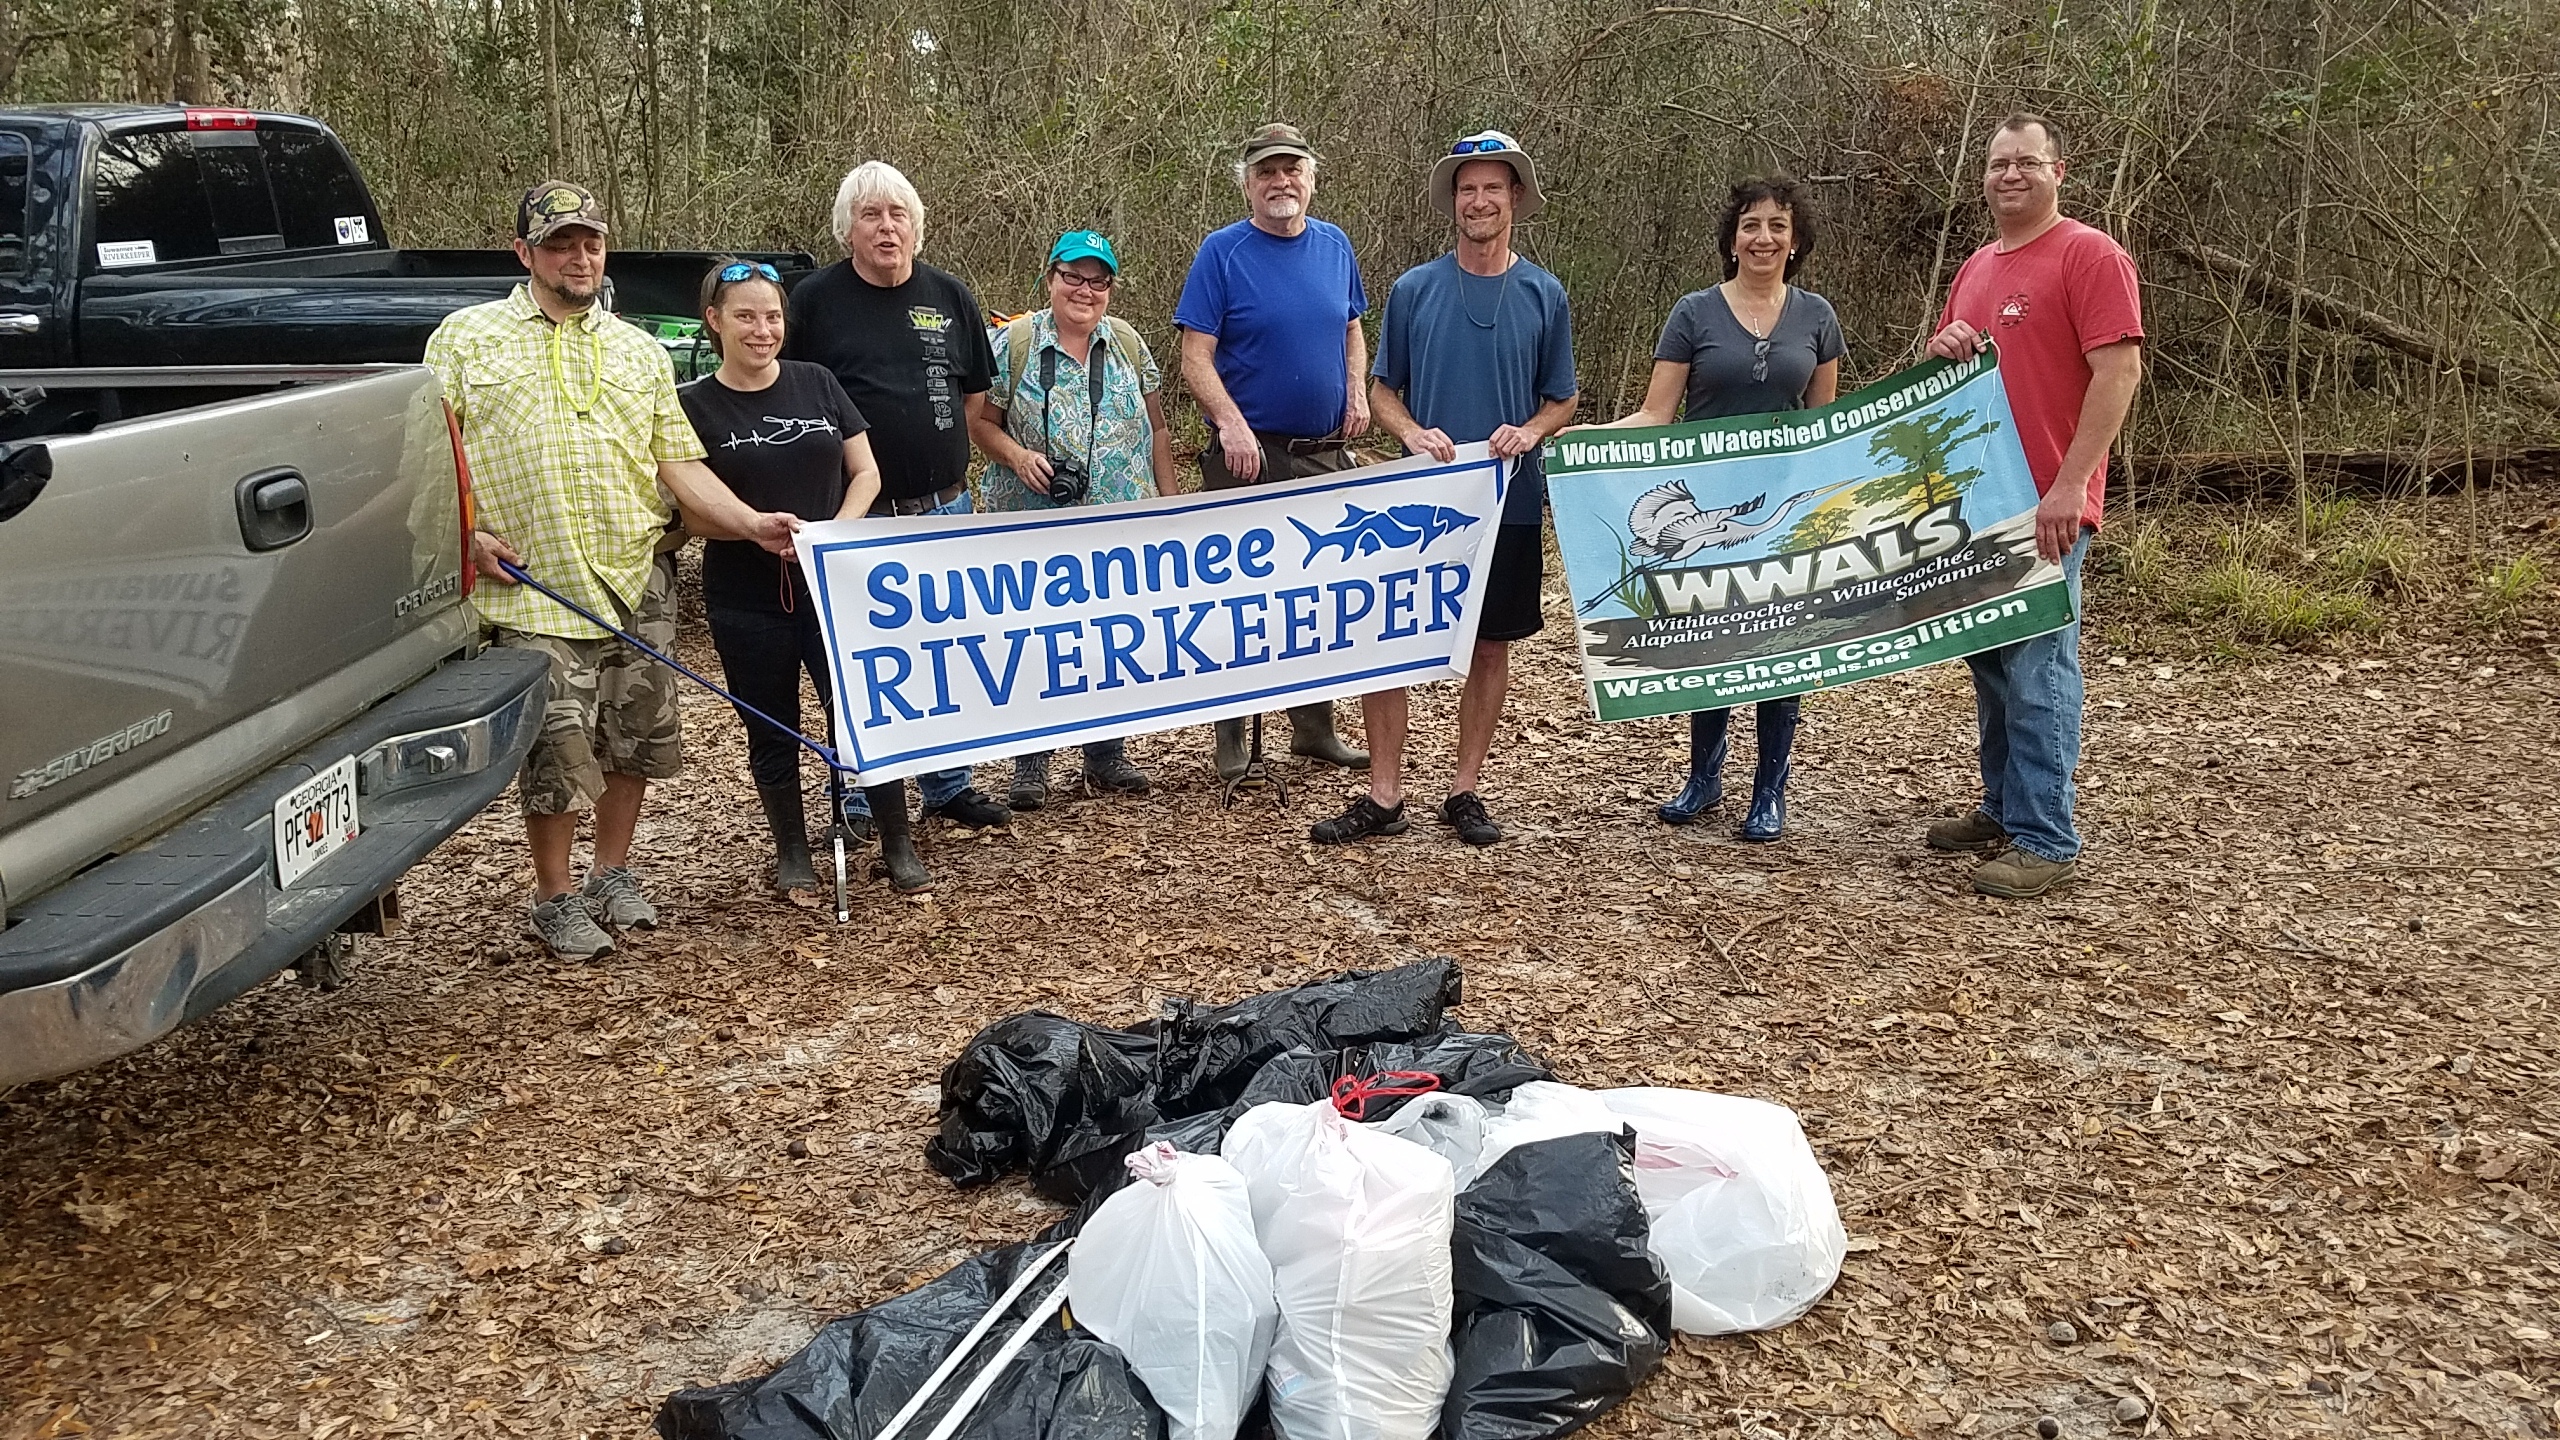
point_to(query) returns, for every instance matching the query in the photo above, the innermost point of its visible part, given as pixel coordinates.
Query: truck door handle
(274, 508)
(20, 323)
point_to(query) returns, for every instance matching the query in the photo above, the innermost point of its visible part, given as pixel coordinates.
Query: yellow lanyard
(595, 376)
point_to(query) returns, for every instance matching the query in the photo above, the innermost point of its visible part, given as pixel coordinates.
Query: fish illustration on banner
(1370, 531)
(1906, 536)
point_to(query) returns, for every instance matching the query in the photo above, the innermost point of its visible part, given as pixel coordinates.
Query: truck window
(14, 227)
(320, 201)
(179, 195)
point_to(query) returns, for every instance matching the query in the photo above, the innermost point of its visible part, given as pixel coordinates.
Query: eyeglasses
(1077, 280)
(1760, 360)
(749, 270)
(2030, 166)
(1481, 147)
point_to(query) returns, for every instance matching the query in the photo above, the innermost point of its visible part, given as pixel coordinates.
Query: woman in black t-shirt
(783, 435)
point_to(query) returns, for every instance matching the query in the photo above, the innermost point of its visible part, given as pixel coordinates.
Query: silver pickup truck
(241, 690)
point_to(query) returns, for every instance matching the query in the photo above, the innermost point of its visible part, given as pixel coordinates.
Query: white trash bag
(1356, 1224)
(1169, 1273)
(1742, 1214)
(1544, 1110)
(1449, 1126)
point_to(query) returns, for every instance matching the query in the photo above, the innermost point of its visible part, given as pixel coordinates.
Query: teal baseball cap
(1084, 245)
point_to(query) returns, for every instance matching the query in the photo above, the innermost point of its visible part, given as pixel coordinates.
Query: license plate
(314, 821)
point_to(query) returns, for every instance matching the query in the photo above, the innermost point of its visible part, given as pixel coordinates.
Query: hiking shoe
(972, 811)
(1972, 830)
(1115, 775)
(1464, 812)
(564, 923)
(1030, 782)
(2016, 874)
(614, 895)
(1365, 818)
(859, 827)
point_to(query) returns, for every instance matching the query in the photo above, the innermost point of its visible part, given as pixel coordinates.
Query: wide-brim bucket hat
(1486, 145)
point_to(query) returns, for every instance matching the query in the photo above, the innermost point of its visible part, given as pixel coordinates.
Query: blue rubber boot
(1767, 819)
(1708, 731)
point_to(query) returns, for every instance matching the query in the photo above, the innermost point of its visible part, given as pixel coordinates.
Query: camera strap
(1096, 356)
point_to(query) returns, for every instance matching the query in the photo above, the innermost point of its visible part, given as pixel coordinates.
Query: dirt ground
(2251, 1133)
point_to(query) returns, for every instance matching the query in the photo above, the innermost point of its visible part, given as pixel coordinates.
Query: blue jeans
(940, 787)
(2028, 698)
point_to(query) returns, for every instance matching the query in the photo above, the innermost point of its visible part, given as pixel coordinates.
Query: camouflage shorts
(612, 709)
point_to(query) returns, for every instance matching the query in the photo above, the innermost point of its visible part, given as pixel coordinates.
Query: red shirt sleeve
(2106, 294)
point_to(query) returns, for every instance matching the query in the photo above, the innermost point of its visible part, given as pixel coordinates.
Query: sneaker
(1972, 830)
(1365, 818)
(569, 928)
(972, 811)
(2016, 874)
(1464, 812)
(614, 894)
(1115, 776)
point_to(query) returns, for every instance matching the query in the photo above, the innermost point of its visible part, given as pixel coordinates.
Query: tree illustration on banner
(1923, 446)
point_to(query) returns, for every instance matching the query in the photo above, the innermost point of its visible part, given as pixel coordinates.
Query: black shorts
(1511, 591)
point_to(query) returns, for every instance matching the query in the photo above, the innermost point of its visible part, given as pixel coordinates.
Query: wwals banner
(1732, 561)
(964, 638)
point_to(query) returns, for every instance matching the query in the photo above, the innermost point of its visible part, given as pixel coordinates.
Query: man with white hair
(909, 344)
(1273, 350)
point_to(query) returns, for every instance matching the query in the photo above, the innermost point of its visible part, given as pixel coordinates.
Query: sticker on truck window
(128, 252)
(352, 230)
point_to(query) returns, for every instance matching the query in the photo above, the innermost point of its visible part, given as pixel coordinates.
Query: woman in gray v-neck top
(1749, 346)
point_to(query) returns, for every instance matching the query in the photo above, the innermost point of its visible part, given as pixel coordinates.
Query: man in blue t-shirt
(1477, 345)
(1273, 351)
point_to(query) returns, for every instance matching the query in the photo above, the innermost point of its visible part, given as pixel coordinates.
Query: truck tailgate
(199, 593)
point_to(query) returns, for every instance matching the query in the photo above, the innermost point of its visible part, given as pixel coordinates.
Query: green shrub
(2269, 608)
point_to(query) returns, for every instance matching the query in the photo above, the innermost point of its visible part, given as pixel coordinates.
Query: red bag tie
(1352, 1093)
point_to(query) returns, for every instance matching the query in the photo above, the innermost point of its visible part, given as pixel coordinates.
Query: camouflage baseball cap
(555, 205)
(1276, 139)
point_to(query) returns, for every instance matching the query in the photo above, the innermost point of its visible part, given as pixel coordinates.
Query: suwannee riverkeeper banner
(1732, 561)
(956, 639)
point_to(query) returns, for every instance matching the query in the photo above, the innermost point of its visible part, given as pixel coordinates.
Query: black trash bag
(1561, 1310)
(1487, 1067)
(859, 1371)
(1296, 1077)
(1210, 1053)
(1041, 1093)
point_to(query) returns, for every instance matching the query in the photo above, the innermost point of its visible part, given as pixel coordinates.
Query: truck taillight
(462, 497)
(206, 119)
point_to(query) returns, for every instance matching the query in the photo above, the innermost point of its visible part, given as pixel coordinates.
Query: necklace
(1761, 331)
(595, 371)
(1501, 293)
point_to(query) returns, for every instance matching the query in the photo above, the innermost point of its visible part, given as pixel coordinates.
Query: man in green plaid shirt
(576, 443)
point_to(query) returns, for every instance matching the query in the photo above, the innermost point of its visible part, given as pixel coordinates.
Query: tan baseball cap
(1486, 145)
(555, 205)
(1276, 139)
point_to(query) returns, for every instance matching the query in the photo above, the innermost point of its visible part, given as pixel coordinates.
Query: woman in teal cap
(1075, 417)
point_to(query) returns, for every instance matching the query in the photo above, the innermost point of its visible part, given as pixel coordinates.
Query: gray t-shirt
(1703, 335)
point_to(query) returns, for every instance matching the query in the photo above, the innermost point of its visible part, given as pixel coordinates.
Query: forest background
(2344, 213)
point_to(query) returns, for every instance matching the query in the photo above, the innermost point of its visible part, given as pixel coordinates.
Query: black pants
(762, 653)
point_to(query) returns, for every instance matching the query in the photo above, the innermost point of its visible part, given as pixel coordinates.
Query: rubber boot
(898, 859)
(1232, 756)
(1709, 732)
(786, 816)
(1768, 817)
(1311, 735)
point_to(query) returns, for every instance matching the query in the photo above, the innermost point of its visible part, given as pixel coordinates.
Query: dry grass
(2263, 1110)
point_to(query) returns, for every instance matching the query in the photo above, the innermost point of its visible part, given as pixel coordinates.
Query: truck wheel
(325, 966)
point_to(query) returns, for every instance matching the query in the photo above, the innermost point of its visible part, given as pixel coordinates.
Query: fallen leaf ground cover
(2252, 1132)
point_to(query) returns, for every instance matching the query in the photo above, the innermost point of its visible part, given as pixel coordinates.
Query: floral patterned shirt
(1116, 446)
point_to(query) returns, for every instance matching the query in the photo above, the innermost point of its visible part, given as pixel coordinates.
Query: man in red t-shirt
(2062, 303)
